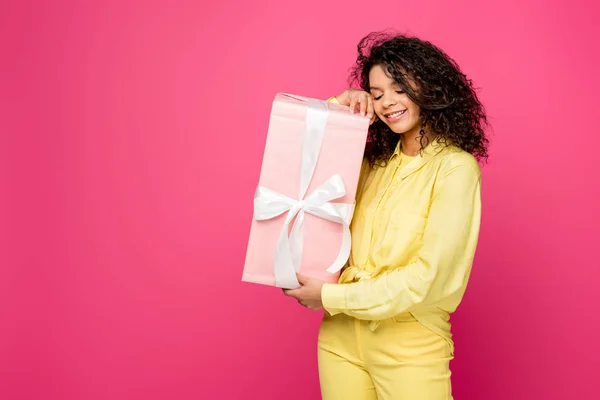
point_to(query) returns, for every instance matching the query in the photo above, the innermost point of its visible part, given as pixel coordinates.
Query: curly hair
(449, 105)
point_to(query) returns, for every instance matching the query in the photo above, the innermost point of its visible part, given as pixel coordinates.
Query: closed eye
(380, 96)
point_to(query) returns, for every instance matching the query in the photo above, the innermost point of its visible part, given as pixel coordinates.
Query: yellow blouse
(414, 235)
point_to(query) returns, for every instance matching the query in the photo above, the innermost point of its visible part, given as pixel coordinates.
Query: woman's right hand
(358, 101)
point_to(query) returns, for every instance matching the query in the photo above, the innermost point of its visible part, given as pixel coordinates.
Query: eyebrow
(375, 88)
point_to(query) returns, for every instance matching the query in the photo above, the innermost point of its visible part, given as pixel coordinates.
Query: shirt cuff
(333, 297)
(333, 100)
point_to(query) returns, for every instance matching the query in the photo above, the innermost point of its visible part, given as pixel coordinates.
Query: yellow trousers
(400, 360)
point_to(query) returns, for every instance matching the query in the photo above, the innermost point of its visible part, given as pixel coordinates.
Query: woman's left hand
(309, 294)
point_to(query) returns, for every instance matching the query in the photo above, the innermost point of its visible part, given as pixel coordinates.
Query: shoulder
(454, 159)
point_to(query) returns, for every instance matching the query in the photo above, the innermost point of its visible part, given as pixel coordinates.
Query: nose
(388, 101)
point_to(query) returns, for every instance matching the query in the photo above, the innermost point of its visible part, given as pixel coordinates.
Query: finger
(303, 279)
(295, 293)
(353, 101)
(374, 118)
(344, 98)
(305, 304)
(364, 103)
(370, 109)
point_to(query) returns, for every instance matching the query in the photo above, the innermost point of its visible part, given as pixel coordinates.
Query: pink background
(131, 138)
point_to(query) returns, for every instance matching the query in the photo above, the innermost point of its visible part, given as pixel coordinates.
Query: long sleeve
(444, 262)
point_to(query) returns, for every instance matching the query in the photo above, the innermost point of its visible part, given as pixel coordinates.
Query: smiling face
(392, 105)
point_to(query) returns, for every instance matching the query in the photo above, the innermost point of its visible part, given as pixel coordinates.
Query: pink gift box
(341, 152)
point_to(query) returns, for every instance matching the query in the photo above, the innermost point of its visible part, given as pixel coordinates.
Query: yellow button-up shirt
(414, 234)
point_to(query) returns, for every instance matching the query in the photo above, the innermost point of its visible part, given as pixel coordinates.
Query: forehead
(378, 76)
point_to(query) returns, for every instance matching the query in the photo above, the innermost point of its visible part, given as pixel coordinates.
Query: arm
(444, 263)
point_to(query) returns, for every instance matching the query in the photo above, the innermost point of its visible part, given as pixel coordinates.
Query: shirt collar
(431, 150)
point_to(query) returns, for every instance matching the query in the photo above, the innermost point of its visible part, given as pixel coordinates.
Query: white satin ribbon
(269, 204)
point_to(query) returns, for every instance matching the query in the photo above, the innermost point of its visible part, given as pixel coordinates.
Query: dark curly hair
(449, 105)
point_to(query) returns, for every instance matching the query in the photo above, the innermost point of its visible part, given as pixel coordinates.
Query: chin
(400, 130)
(403, 129)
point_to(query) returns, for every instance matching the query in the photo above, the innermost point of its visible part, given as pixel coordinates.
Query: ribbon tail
(344, 253)
(297, 241)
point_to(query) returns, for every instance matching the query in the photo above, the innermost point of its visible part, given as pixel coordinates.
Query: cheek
(378, 109)
(415, 111)
(413, 108)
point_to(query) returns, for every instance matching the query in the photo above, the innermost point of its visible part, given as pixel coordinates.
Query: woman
(386, 331)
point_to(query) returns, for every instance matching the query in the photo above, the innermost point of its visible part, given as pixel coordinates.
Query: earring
(423, 140)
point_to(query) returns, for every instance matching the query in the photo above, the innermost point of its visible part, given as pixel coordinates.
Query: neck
(411, 142)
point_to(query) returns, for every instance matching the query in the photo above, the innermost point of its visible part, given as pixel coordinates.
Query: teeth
(396, 115)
